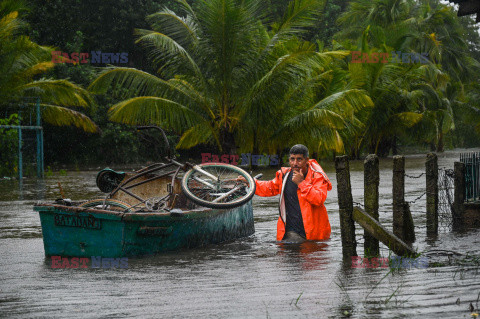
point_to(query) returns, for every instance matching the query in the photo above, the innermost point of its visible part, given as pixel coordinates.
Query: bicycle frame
(172, 167)
(127, 185)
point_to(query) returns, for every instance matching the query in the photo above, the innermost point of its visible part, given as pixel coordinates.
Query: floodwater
(253, 277)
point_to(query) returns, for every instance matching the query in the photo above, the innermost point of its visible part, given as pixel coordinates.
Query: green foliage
(242, 76)
(224, 79)
(22, 62)
(9, 147)
(413, 102)
(49, 172)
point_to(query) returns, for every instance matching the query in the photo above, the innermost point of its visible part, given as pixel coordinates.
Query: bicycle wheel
(107, 179)
(214, 185)
(110, 204)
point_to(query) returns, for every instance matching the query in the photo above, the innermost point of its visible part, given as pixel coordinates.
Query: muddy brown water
(254, 277)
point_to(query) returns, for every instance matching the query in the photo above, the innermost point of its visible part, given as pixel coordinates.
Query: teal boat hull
(85, 232)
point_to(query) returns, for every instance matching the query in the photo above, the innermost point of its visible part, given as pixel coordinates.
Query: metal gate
(472, 175)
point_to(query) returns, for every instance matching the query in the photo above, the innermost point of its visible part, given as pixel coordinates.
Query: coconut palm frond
(61, 116)
(408, 119)
(185, 7)
(36, 69)
(10, 25)
(21, 61)
(163, 47)
(182, 30)
(348, 102)
(300, 15)
(59, 92)
(146, 110)
(198, 134)
(136, 83)
(314, 118)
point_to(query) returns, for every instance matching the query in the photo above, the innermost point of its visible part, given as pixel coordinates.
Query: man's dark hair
(299, 149)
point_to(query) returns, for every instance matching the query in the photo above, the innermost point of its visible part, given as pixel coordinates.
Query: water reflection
(255, 277)
(309, 255)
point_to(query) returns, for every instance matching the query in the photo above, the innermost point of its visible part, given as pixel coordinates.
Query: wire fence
(445, 199)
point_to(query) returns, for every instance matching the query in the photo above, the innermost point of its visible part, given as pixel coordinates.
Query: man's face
(297, 162)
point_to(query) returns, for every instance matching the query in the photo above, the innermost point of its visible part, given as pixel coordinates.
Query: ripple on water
(248, 278)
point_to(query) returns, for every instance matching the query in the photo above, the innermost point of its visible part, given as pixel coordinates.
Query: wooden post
(378, 231)
(345, 205)
(431, 171)
(398, 195)
(408, 227)
(459, 195)
(371, 182)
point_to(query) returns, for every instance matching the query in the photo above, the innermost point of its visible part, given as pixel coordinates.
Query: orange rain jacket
(312, 193)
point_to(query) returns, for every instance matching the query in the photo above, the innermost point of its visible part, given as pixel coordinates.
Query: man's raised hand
(297, 176)
(242, 179)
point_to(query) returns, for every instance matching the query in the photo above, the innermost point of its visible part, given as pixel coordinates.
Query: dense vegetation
(240, 76)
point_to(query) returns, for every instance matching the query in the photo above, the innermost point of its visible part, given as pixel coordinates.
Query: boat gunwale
(126, 216)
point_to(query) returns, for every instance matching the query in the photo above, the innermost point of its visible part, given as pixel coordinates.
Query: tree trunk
(440, 144)
(227, 140)
(394, 146)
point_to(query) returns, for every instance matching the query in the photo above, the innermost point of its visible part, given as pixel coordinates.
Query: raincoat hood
(316, 167)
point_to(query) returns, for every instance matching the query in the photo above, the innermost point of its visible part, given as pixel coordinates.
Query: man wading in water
(303, 189)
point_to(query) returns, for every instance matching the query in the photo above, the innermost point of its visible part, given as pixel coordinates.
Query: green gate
(472, 175)
(38, 129)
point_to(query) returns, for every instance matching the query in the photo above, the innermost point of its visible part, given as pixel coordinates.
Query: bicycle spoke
(224, 191)
(216, 185)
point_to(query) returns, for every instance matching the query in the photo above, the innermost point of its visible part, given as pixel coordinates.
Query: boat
(153, 210)
(74, 231)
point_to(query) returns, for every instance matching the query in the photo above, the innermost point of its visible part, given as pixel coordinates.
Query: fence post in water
(431, 171)
(345, 205)
(403, 226)
(398, 195)
(459, 195)
(371, 182)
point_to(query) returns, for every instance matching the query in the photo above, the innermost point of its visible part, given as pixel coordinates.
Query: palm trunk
(227, 141)
(440, 144)
(394, 145)
(440, 135)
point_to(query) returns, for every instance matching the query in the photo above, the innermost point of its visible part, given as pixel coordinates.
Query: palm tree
(390, 85)
(224, 78)
(423, 97)
(22, 62)
(442, 36)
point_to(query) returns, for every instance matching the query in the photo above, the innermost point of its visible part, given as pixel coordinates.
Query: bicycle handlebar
(169, 152)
